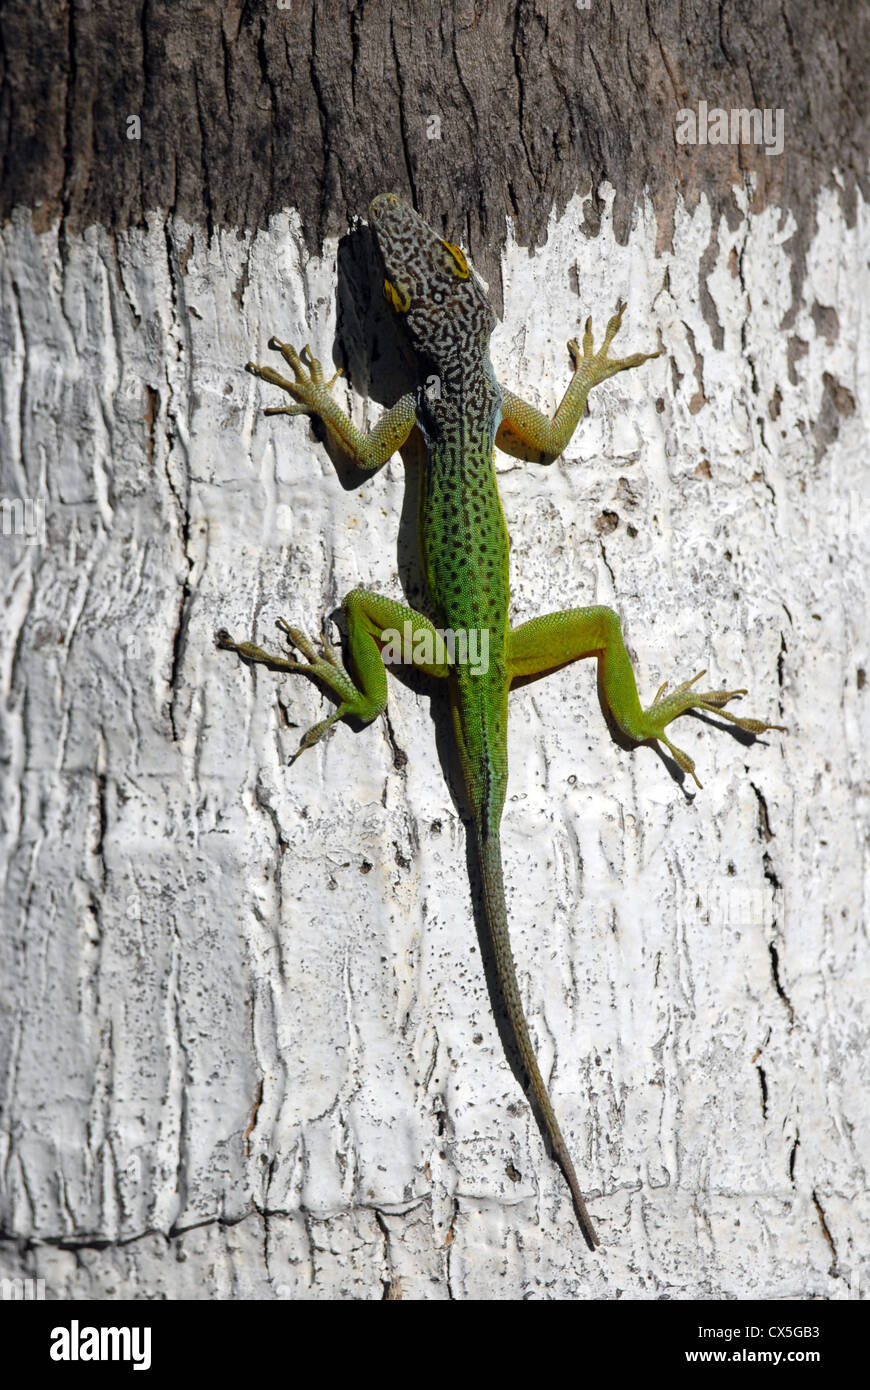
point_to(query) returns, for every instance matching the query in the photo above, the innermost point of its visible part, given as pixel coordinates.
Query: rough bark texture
(479, 111)
(246, 1038)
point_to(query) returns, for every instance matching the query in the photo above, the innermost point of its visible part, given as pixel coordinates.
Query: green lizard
(464, 547)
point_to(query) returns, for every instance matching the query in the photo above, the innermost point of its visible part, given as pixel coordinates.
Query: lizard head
(430, 285)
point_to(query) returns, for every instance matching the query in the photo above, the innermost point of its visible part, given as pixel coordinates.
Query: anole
(464, 548)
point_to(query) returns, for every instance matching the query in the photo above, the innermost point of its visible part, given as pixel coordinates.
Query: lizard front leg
(372, 621)
(312, 396)
(546, 643)
(527, 434)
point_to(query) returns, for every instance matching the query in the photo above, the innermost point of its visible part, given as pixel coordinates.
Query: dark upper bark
(247, 108)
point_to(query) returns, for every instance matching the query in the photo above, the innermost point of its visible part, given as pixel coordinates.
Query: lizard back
(462, 532)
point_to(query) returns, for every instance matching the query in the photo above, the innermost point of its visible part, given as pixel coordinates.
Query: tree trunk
(246, 1030)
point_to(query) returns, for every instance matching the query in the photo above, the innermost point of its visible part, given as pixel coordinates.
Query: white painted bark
(247, 1045)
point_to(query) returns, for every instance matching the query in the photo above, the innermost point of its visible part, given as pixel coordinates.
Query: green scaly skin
(464, 547)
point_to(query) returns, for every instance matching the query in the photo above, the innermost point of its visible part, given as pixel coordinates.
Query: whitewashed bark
(247, 1044)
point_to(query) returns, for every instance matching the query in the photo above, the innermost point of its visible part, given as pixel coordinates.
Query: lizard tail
(489, 852)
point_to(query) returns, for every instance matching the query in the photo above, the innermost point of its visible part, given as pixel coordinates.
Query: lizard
(463, 539)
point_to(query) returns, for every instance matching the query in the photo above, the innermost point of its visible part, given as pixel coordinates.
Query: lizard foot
(308, 388)
(597, 366)
(664, 708)
(325, 667)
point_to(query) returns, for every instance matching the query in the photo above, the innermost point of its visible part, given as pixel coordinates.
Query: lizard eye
(438, 296)
(460, 264)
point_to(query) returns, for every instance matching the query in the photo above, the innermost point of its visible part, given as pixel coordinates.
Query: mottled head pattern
(431, 286)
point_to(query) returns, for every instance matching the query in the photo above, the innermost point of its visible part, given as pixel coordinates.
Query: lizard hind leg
(546, 643)
(324, 666)
(372, 621)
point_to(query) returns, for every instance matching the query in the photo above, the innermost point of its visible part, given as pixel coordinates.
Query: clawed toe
(324, 666)
(298, 640)
(308, 388)
(666, 707)
(598, 365)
